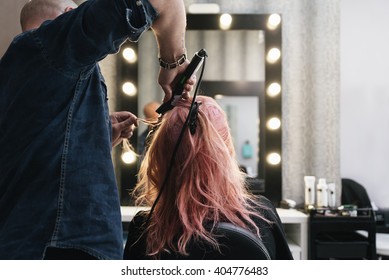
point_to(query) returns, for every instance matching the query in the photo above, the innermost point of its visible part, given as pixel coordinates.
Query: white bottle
(322, 194)
(309, 191)
(331, 195)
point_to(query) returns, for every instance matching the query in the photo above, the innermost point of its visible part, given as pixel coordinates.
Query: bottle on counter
(331, 195)
(309, 182)
(322, 194)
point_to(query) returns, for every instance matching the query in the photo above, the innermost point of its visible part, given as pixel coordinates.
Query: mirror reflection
(243, 65)
(235, 62)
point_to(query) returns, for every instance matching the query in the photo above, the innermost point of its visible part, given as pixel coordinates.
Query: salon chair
(356, 194)
(235, 243)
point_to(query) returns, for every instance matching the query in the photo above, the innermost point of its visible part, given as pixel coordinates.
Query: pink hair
(205, 184)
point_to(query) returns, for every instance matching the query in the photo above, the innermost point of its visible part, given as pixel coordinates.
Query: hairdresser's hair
(205, 185)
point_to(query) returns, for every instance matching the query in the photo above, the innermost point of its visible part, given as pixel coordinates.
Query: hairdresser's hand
(167, 79)
(123, 125)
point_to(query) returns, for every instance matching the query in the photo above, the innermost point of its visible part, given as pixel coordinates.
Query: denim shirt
(57, 182)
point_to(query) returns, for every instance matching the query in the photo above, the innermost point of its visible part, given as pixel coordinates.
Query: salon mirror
(242, 71)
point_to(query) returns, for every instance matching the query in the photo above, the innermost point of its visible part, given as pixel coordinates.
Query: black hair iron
(194, 65)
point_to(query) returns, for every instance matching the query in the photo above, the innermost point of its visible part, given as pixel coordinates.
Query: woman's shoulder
(265, 201)
(268, 211)
(140, 217)
(265, 206)
(273, 233)
(135, 243)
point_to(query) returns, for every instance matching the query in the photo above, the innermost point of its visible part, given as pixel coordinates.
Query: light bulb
(129, 88)
(130, 55)
(273, 123)
(128, 157)
(273, 21)
(273, 158)
(273, 55)
(225, 21)
(273, 89)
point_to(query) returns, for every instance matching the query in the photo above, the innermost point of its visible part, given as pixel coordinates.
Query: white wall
(9, 22)
(364, 116)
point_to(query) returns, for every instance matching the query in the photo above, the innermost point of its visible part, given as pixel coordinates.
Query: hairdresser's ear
(67, 9)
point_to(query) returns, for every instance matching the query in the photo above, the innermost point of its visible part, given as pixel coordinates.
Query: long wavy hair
(205, 185)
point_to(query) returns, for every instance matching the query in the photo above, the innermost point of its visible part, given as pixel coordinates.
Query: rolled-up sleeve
(85, 35)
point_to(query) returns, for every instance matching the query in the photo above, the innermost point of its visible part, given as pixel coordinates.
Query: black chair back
(354, 193)
(235, 243)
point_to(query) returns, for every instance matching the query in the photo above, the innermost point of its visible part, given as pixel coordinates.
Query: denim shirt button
(139, 3)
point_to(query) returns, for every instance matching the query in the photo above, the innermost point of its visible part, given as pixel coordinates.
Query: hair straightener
(194, 65)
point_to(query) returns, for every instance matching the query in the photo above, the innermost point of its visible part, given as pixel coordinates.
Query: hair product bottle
(331, 195)
(322, 194)
(309, 191)
(247, 150)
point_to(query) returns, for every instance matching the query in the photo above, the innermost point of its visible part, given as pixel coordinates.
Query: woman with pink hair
(199, 186)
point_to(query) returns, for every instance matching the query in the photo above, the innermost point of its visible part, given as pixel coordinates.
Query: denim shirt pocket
(140, 15)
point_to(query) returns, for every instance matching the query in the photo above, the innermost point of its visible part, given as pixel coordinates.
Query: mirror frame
(270, 140)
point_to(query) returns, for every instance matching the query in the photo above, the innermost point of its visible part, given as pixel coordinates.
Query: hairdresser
(58, 195)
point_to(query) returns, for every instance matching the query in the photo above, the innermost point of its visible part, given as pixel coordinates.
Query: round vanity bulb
(273, 158)
(128, 157)
(225, 21)
(129, 89)
(273, 55)
(130, 55)
(273, 21)
(273, 89)
(273, 123)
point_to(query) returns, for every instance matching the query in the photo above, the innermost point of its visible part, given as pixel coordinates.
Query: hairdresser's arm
(169, 29)
(123, 124)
